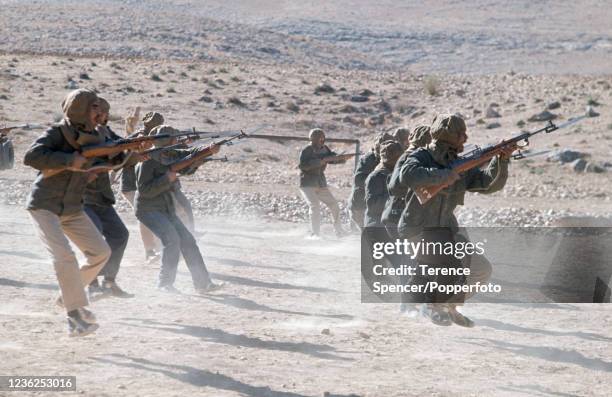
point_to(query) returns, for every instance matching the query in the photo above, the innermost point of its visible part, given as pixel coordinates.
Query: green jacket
(397, 194)
(420, 169)
(376, 194)
(154, 188)
(312, 169)
(365, 167)
(61, 193)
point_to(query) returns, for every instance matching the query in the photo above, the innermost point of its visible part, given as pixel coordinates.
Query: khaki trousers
(314, 196)
(54, 231)
(150, 242)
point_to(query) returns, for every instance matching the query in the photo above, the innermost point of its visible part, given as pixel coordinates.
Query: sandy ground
(289, 322)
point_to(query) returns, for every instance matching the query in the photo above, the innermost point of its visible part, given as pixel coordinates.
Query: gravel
(292, 208)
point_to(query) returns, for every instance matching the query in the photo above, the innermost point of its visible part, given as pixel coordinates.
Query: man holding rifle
(313, 161)
(432, 218)
(128, 187)
(154, 204)
(99, 200)
(56, 208)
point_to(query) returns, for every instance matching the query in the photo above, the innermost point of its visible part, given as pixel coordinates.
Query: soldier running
(435, 220)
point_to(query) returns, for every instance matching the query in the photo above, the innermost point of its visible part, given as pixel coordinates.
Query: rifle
(203, 153)
(115, 147)
(480, 156)
(5, 130)
(180, 144)
(109, 149)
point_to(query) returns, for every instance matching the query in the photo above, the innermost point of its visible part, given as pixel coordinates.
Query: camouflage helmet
(380, 138)
(164, 130)
(390, 151)
(152, 120)
(401, 134)
(420, 136)
(315, 133)
(449, 128)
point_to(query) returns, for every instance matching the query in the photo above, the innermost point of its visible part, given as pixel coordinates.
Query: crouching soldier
(55, 205)
(435, 221)
(313, 185)
(99, 200)
(154, 204)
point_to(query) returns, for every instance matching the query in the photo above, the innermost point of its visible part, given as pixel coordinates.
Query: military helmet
(315, 133)
(420, 136)
(449, 128)
(152, 120)
(390, 151)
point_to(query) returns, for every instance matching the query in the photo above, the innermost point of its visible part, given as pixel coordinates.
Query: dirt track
(263, 335)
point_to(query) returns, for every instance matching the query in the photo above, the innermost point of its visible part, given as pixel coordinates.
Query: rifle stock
(426, 193)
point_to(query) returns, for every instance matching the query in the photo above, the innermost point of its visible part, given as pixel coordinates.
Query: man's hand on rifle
(507, 152)
(145, 146)
(78, 161)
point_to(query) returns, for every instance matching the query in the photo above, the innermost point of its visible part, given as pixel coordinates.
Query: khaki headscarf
(76, 108)
(152, 120)
(448, 128)
(380, 138)
(390, 151)
(400, 134)
(419, 137)
(446, 132)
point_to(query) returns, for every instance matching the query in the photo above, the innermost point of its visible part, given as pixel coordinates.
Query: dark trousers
(176, 239)
(437, 261)
(115, 233)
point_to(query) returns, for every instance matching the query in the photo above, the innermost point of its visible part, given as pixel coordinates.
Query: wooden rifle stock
(426, 193)
(116, 147)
